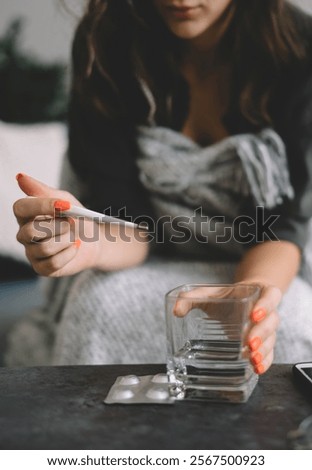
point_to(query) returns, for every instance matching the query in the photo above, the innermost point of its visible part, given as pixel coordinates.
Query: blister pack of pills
(134, 389)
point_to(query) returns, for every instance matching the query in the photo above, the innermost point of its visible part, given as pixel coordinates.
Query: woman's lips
(183, 13)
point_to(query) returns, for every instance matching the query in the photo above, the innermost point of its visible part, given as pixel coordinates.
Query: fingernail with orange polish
(254, 343)
(256, 359)
(258, 315)
(19, 176)
(62, 205)
(259, 369)
(77, 243)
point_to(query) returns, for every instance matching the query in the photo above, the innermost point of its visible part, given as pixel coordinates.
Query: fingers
(39, 230)
(28, 209)
(266, 363)
(43, 200)
(197, 298)
(268, 301)
(261, 341)
(34, 187)
(262, 358)
(49, 247)
(262, 336)
(265, 328)
(54, 265)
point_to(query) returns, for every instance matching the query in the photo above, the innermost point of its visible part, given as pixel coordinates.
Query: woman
(160, 78)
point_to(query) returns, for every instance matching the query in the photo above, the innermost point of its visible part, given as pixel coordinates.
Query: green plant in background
(30, 91)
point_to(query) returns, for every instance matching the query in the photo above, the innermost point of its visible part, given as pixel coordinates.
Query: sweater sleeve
(296, 132)
(293, 122)
(103, 155)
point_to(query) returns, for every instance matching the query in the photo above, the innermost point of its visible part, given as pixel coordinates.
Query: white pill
(157, 394)
(160, 379)
(129, 380)
(123, 394)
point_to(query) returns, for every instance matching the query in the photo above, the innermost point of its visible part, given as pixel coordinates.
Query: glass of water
(207, 325)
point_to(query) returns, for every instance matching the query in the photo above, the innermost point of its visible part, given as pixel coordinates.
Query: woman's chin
(185, 31)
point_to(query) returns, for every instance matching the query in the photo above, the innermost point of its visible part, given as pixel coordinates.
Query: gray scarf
(181, 176)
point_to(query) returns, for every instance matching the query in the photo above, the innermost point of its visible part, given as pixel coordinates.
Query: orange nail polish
(19, 176)
(259, 369)
(77, 243)
(256, 359)
(62, 205)
(258, 315)
(254, 343)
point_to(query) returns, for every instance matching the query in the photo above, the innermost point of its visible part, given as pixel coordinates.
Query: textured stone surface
(62, 408)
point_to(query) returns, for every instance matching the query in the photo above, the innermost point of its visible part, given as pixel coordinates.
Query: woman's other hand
(264, 319)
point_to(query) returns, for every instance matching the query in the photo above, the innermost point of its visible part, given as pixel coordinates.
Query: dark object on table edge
(301, 382)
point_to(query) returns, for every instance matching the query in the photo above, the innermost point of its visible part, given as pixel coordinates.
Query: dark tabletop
(62, 408)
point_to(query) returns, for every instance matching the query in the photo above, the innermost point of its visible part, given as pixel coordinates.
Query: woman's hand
(271, 265)
(260, 338)
(53, 244)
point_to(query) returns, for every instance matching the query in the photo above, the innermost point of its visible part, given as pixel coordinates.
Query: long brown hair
(119, 41)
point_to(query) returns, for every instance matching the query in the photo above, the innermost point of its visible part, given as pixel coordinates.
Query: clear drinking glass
(207, 326)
